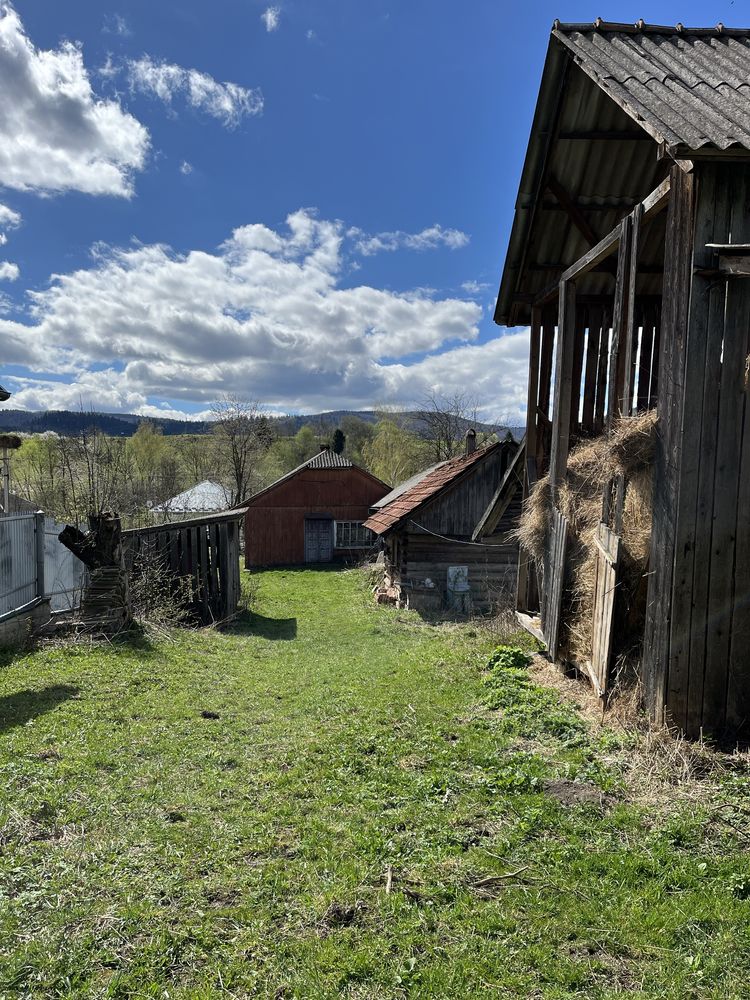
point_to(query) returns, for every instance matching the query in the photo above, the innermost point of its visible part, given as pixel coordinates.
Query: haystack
(627, 451)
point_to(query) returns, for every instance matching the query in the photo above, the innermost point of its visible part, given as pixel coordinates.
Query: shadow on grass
(23, 706)
(250, 623)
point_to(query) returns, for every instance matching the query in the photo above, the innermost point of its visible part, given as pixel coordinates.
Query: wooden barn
(629, 258)
(313, 514)
(445, 531)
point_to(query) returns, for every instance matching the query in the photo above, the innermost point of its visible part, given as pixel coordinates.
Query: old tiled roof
(426, 489)
(687, 87)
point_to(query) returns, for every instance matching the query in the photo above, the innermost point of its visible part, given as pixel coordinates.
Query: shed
(444, 546)
(206, 497)
(313, 514)
(629, 258)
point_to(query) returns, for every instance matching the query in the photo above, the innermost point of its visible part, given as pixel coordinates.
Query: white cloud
(55, 133)
(227, 102)
(9, 219)
(474, 287)
(115, 24)
(186, 168)
(8, 271)
(428, 239)
(270, 18)
(266, 314)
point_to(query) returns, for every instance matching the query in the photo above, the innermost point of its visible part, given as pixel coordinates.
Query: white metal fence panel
(19, 568)
(64, 573)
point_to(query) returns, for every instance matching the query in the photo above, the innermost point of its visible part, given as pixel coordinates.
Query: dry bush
(159, 600)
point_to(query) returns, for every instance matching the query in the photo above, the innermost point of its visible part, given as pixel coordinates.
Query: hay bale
(628, 451)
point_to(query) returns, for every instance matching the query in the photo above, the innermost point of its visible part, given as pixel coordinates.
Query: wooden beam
(604, 135)
(575, 215)
(563, 385)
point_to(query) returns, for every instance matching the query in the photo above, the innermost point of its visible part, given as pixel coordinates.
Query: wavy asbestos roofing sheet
(688, 87)
(426, 489)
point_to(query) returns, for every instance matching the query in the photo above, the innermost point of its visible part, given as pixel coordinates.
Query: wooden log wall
(695, 666)
(202, 559)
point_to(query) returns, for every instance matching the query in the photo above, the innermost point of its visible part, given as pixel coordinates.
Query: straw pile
(592, 465)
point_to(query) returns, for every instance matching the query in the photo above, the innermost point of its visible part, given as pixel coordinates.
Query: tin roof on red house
(427, 488)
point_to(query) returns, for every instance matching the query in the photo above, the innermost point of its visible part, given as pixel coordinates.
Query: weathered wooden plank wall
(200, 556)
(698, 616)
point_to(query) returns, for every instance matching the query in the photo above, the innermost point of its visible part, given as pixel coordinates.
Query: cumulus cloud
(55, 133)
(265, 314)
(270, 18)
(9, 219)
(429, 239)
(186, 168)
(8, 271)
(227, 102)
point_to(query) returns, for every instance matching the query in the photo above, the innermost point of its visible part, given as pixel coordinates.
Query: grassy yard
(336, 800)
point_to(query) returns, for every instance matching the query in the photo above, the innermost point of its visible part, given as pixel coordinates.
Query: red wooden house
(313, 514)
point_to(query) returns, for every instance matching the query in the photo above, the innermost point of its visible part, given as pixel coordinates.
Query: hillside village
(409, 700)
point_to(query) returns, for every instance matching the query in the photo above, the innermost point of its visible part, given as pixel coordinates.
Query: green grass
(149, 851)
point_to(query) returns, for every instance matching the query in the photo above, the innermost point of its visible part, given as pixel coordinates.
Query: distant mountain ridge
(126, 424)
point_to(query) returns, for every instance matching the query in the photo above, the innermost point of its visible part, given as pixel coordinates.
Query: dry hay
(592, 465)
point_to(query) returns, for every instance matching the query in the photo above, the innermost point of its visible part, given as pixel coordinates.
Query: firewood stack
(105, 606)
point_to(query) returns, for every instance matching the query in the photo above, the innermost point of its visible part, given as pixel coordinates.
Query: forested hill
(126, 424)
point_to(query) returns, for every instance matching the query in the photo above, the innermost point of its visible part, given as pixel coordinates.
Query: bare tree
(444, 421)
(243, 433)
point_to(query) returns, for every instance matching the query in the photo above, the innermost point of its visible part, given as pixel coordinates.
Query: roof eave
(540, 137)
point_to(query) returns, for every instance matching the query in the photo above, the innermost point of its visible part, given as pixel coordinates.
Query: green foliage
(338, 441)
(223, 813)
(394, 453)
(508, 658)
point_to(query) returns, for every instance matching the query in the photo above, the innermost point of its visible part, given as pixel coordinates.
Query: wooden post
(532, 394)
(39, 538)
(619, 325)
(677, 281)
(629, 328)
(566, 333)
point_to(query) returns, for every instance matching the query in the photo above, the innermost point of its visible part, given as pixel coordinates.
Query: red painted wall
(275, 522)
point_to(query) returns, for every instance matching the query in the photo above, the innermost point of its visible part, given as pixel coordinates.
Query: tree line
(70, 475)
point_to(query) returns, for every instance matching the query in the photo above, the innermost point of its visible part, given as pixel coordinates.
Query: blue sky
(306, 203)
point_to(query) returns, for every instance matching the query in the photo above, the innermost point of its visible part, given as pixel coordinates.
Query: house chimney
(471, 441)
(324, 447)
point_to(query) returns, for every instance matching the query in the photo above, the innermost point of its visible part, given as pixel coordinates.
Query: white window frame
(351, 535)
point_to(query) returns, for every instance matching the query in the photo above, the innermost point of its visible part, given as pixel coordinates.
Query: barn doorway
(318, 539)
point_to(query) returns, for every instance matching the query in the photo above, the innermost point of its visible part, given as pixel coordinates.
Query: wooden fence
(202, 557)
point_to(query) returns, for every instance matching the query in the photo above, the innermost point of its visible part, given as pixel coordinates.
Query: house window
(352, 535)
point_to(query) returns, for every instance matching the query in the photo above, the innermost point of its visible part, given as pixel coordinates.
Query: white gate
(21, 560)
(34, 563)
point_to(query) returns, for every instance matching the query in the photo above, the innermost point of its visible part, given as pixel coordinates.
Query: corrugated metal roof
(324, 459)
(205, 496)
(426, 489)
(608, 94)
(688, 87)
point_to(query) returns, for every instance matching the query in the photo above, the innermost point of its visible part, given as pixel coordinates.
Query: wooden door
(318, 540)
